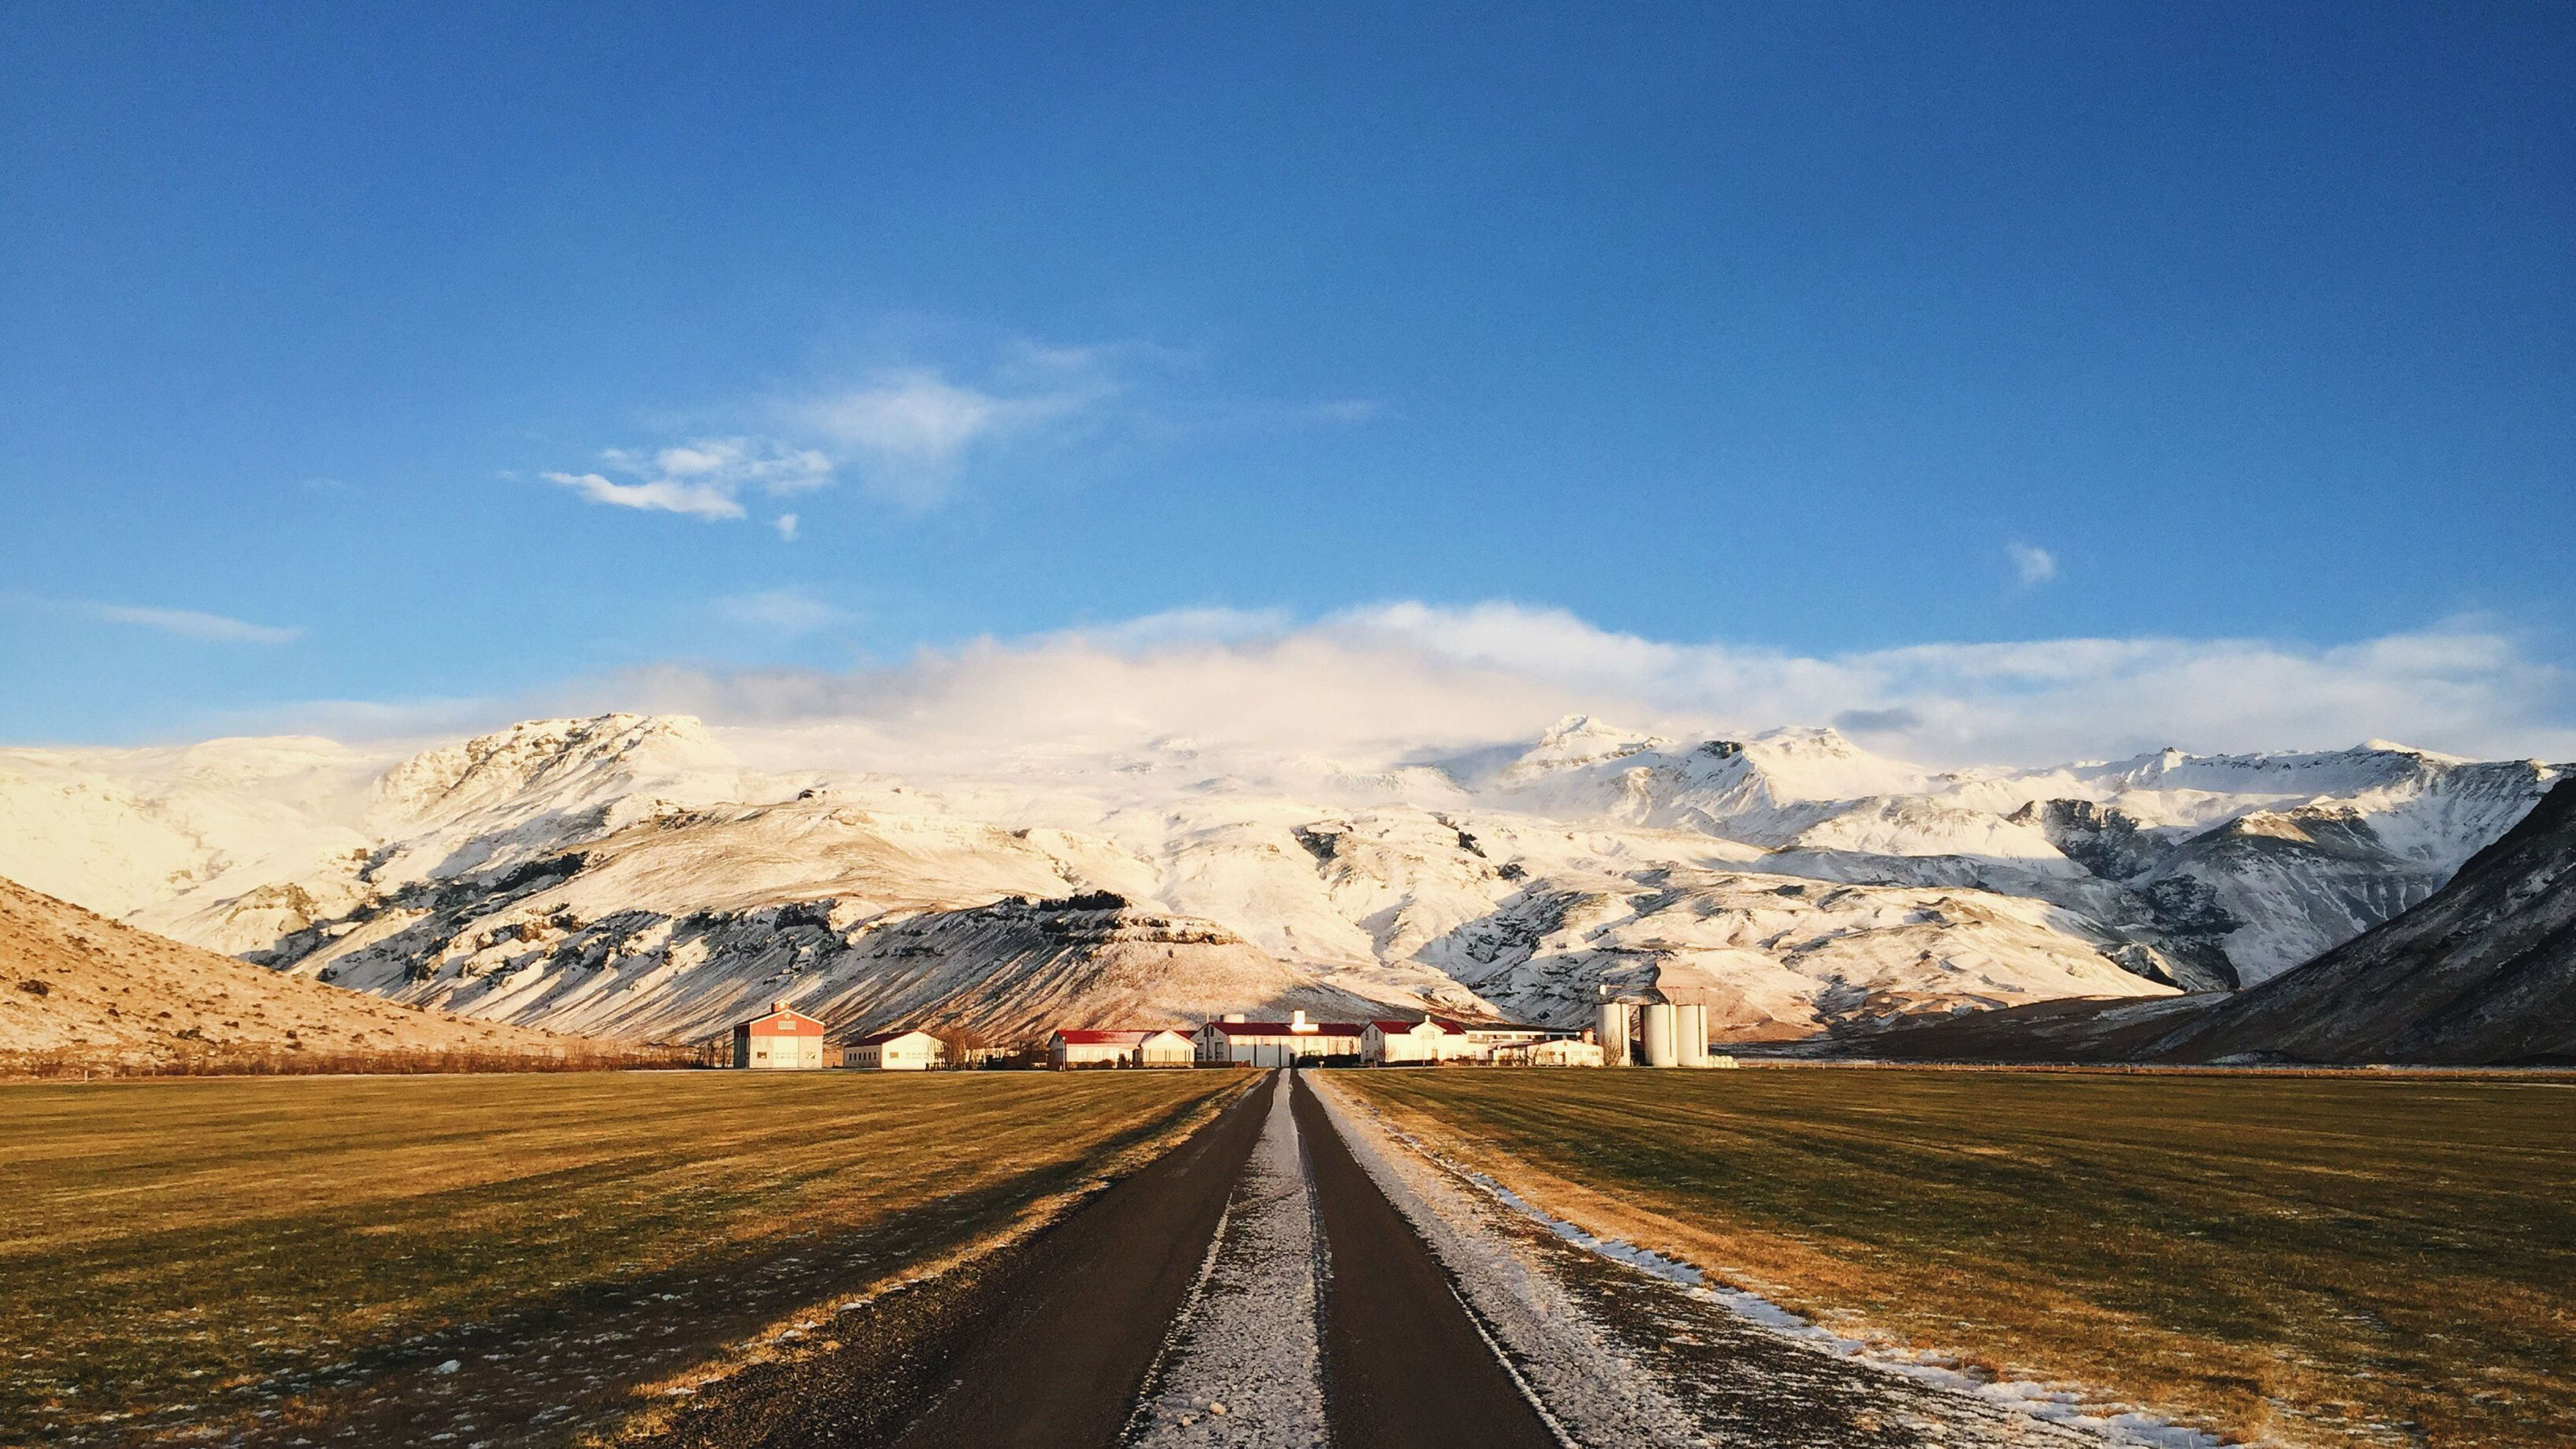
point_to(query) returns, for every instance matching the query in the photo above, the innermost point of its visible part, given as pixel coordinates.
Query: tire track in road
(1404, 1363)
(1066, 1353)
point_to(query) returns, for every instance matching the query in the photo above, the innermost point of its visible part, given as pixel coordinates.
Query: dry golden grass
(2305, 1260)
(233, 1244)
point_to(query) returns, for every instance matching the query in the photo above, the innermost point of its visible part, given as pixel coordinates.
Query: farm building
(1430, 1040)
(896, 1051)
(1560, 1051)
(1276, 1043)
(1078, 1047)
(783, 1041)
(1494, 1039)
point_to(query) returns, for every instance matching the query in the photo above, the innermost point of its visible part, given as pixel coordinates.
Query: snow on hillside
(653, 876)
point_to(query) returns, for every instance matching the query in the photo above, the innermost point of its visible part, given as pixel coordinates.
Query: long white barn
(1232, 1039)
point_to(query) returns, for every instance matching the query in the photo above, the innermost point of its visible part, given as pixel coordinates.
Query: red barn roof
(1280, 1028)
(780, 1018)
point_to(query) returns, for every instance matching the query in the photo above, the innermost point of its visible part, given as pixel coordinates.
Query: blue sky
(345, 345)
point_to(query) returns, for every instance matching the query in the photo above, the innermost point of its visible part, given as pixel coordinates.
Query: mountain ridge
(1790, 878)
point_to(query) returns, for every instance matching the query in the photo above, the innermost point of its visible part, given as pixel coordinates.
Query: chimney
(779, 1004)
(1297, 1021)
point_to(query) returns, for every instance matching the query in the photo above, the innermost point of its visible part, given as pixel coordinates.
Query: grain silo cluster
(1655, 1034)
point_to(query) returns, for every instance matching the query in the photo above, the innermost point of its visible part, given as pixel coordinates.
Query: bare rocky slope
(82, 989)
(2482, 973)
(652, 878)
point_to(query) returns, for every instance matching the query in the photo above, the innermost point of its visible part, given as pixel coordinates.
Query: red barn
(783, 1041)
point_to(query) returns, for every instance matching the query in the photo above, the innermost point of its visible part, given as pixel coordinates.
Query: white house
(1079, 1047)
(896, 1051)
(1387, 1043)
(1232, 1039)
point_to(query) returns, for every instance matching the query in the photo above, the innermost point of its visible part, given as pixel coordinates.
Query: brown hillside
(79, 989)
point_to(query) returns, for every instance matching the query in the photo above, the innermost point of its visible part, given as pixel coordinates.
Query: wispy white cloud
(785, 523)
(660, 495)
(2031, 564)
(909, 431)
(192, 624)
(914, 416)
(703, 478)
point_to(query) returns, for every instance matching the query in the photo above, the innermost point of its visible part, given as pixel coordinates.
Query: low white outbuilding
(1560, 1052)
(1129, 1047)
(896, 1051)
(1429, 1041)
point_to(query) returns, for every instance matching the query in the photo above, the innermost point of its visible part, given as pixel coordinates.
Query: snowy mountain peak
(2391, 747)
(1818, 763)
(549, 756)
(1577, 741)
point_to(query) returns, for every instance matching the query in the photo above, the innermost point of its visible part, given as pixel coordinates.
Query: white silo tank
(1659, 1034)
(1692, 1022)
(1611, 1030)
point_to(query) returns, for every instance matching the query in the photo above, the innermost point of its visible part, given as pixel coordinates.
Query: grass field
(2311, 1260)
(236, 1251)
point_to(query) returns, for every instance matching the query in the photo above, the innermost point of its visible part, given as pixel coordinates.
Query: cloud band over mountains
(1382, 681)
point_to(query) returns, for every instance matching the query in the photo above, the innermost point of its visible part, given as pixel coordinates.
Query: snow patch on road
(2058, 1406)
(1244, 1366)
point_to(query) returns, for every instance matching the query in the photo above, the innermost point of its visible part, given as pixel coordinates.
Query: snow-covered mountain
(652, 876)
(2483, 972)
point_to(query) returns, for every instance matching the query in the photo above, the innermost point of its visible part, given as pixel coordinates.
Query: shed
(785, 1040)
(908, 1050)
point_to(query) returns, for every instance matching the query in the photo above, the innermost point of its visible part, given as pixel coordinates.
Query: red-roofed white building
(1276, 1043)
(1086, 1047)
(783, 1041)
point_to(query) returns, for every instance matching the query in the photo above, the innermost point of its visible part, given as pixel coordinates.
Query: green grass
(2313, 1259)
(188, 1241)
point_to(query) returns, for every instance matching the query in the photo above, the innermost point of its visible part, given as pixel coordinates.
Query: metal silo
(1612, 1032)
(1692, 1022)
(1659, 1034)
